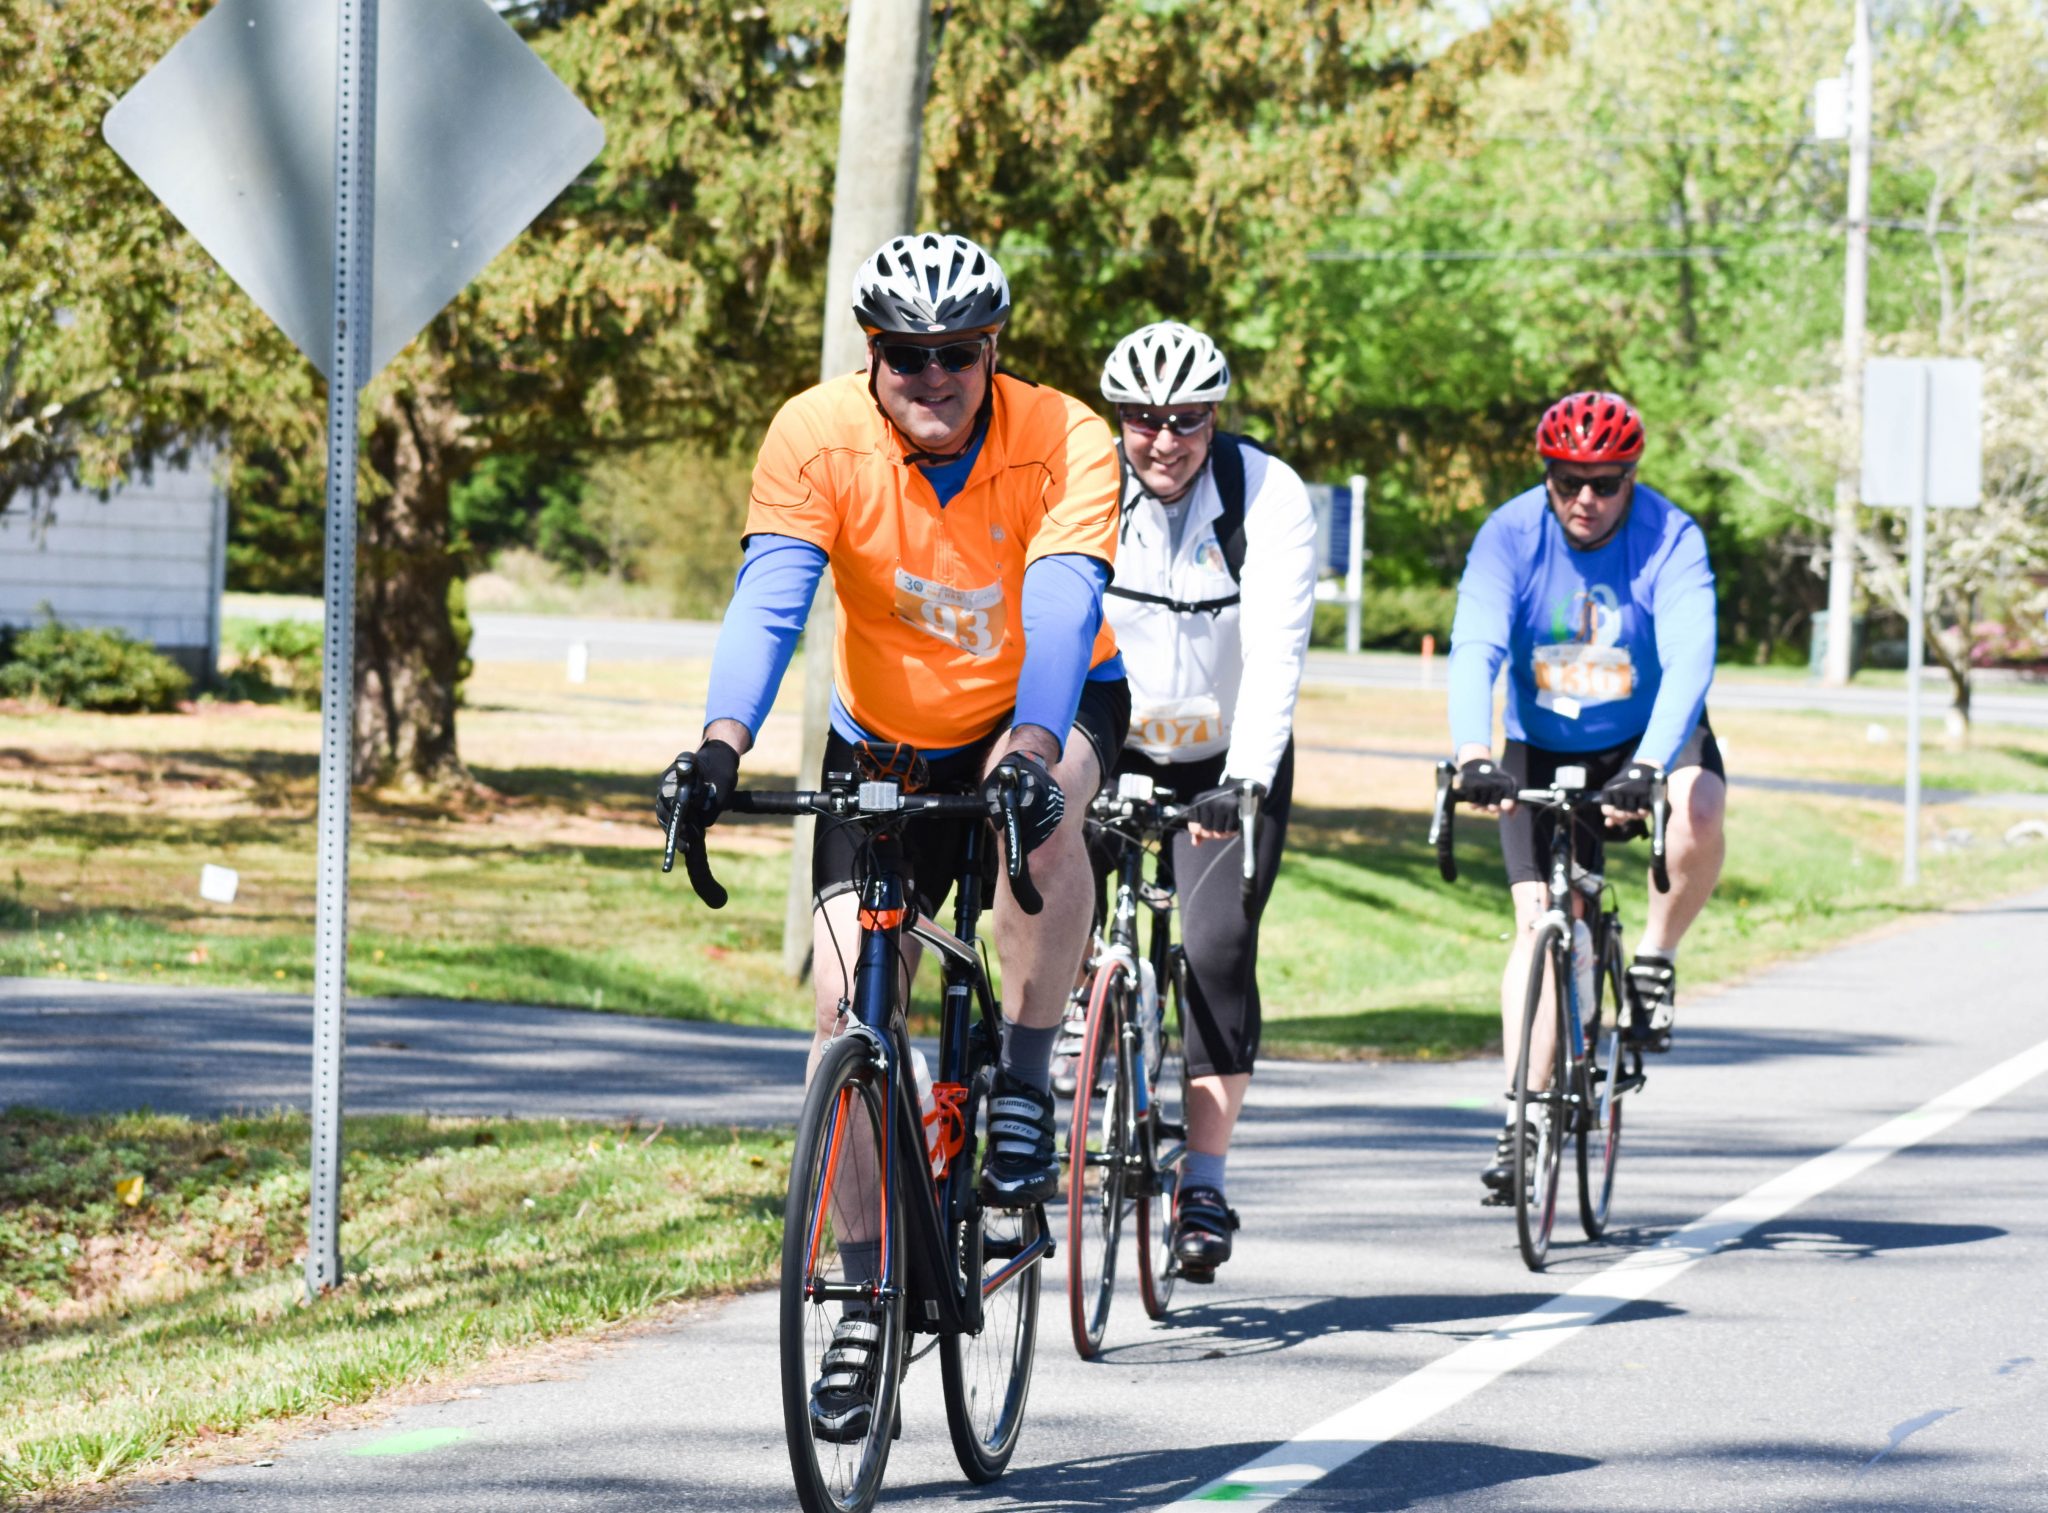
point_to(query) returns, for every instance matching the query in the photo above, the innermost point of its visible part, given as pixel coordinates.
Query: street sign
(1923, 447)
(234, 131)
(1831, 110)
(1923, 426)
(352, 164)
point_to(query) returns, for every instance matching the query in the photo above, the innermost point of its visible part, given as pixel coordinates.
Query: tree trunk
(408, 656)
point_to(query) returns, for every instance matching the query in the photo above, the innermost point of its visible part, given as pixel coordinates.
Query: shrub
(1393, 618)
(81, 667)
(274, 659)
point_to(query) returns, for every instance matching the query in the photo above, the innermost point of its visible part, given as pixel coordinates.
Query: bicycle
(1125, 1147)
(1593, 1067)
(864, 1172)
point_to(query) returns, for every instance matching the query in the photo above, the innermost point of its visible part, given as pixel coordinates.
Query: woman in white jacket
(1212, 599)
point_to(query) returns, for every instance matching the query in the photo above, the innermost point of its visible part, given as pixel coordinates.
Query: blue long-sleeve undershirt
(770, 603)
(1061, 614)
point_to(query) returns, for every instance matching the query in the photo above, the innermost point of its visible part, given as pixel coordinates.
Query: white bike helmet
(1165, 363)
(930, 283)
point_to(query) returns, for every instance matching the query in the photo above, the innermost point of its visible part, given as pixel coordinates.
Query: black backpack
(1226, 465)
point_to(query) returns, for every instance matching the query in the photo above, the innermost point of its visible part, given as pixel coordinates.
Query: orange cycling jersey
(930, 637)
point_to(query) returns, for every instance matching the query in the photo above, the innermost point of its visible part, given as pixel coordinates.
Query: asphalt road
(1864, 1332)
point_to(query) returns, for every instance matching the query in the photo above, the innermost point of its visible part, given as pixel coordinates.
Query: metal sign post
(355, 206)
(1922, 449)
(1354, 567)
(234, 131)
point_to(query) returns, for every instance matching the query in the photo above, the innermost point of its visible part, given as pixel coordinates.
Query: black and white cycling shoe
(843, 1398)
(1021, 1168)
(1653, 983)
(1202, 1227)
(1499, 1175)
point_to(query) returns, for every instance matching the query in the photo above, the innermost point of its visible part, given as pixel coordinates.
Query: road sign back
(234, 131)
(1923, 428)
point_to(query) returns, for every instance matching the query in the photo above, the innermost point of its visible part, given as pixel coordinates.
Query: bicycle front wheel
(1540, 1081)
(1098, 1155)
(1600, 1140)
(838, 1210)
(1165, 1134)
(987, 1375)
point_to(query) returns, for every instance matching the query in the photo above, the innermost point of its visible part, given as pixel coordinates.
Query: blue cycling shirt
(1603, 647)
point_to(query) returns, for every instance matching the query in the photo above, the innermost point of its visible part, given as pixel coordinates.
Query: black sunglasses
(1152, 422)
(907, 359)
(1569, 484)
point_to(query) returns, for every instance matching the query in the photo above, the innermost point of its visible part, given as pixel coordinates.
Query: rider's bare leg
(1694, 847)
(1038, 952)
(1213, 1106)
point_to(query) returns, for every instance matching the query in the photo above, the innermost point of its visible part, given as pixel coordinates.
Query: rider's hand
(1040, 804)
(712, 771)
(1628, 791)
(1218, 813)
(1485, 784)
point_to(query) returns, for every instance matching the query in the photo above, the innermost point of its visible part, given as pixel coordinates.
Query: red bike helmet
(1591, 427)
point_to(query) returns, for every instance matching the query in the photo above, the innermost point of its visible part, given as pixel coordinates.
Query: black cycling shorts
(931, 852)
(1525, 834)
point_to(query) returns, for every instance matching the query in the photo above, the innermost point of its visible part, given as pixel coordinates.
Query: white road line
(1391, 1412)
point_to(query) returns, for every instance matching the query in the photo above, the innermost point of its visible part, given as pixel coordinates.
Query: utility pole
(1855, 286)
(874, 197)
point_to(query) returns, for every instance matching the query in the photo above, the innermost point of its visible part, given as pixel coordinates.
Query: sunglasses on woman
(1152, 422)
(1569, 484)
(907, 359)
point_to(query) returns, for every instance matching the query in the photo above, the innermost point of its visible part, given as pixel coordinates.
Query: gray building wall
(150, 560)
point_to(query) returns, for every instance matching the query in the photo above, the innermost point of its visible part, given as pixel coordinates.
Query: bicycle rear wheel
(1539, 1097)
(836, 1191)
(1098, 1159)
(987, 1375)
(1165, 1135)
(1600, 1140)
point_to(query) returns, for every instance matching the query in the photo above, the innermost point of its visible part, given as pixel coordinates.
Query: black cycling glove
(1040, 804)
(1629, 789)
(1218, 809)
(1484, 782)
(712, 771)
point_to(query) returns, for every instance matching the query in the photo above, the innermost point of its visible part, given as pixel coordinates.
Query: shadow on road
(1242, 1327)
(1403, 1475)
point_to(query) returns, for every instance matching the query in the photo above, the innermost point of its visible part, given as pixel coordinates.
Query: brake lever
(1440, 821)
(1660, 814)
(690, 840)
(1248, 796)
(1018, 865)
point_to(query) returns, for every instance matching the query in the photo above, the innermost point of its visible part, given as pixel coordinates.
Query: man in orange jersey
(969, 518)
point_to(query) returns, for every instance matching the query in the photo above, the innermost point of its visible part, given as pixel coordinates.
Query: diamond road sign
(234, 132)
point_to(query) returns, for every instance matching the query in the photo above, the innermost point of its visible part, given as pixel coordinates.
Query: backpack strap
(1226, 466)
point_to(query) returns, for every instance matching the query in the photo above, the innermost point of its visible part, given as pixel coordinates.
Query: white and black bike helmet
(930, 283)
(1165, 363)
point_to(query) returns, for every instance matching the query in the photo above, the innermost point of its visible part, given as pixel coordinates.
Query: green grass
(131, 1330)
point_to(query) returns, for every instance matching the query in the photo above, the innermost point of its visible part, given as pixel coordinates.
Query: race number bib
(1161, 730)
(972, 619)
(1573, 675)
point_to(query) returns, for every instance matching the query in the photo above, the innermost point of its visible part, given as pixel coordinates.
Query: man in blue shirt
(1596, 592)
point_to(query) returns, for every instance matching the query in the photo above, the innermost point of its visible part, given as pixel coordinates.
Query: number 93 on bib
(972, 619)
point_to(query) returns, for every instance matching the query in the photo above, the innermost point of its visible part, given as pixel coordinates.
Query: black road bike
(1127, 1134)
(1574, 1094)
(866, 1171)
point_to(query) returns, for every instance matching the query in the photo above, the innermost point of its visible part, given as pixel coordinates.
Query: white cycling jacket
(1204, 683)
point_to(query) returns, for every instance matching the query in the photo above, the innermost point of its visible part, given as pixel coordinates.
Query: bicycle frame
(931, 1212)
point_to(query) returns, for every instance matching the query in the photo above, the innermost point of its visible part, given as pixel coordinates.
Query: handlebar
(1579, 800)
(847, 800)
(1248, 796)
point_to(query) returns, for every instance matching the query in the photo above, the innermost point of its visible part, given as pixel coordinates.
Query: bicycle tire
(846, 1106)
(987, 1375)
(1165, 1142)
(1600, 1138)
(1099, 1153)
(1539, 1114)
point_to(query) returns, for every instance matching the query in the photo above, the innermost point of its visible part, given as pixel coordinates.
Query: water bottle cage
(945, 1133)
